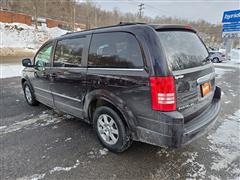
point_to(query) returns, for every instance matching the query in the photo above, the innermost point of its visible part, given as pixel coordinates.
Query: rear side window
(183, 49)
(115, 50)
(69, 52)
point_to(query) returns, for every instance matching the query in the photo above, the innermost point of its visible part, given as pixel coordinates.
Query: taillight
(163, 93)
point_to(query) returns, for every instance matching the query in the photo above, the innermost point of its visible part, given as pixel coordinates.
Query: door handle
(44, 74)
(53, 75)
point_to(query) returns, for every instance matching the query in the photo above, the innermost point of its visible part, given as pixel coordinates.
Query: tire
(216, 60)
(29, 95)
(111, 130)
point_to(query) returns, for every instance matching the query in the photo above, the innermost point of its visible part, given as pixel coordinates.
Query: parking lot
(37, 143)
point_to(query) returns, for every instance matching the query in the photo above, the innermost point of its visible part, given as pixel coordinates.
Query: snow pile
(17, 35)
(235, 55)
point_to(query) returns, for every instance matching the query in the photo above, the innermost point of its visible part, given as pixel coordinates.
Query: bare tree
(35, 9)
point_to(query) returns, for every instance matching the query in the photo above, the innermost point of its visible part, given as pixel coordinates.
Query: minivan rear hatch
(194, 74)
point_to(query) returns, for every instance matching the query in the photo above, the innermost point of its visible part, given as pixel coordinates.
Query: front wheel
(29, 95)
(111, 130)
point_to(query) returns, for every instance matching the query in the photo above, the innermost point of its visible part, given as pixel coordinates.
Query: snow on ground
(10, 70)
(17, 35)
(33, 177)
(233, 63)
(56, 169)
(197, 170)
(68, 139)
(226, 143)
(186, 161)
(220, 71)
(97, 153)
(44, 119)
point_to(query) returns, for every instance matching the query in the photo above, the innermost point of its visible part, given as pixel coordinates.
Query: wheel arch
(98, 102)
(216, 58)
(104, 98)
(23, 80)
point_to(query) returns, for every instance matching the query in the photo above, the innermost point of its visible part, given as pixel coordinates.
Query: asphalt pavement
(38, 143)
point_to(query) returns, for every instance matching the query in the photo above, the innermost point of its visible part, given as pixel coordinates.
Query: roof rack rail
(130, 23)
(116, 25)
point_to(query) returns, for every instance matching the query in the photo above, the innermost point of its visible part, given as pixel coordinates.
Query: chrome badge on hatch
(179, 77)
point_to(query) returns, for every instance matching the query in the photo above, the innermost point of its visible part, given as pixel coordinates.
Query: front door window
(43, 58)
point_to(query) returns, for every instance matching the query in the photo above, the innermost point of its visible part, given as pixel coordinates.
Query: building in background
(13, 17)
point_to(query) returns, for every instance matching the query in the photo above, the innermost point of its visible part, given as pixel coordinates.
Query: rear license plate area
(205, 88)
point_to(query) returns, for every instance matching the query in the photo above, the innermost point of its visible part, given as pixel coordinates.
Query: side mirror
(27, 62)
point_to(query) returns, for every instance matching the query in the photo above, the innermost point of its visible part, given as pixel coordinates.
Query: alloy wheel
(107, 129)
(28, 94)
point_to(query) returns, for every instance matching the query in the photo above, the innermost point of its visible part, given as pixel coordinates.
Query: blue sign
(231, 29)
(235, 25)
(231, 16)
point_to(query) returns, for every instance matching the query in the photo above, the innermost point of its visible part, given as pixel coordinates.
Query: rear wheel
(111, 130)
(216, 60)
(29, 95)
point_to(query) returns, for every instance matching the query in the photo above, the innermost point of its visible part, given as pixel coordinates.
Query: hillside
(91, 14)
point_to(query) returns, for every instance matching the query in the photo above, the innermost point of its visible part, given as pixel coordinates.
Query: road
(37, 143)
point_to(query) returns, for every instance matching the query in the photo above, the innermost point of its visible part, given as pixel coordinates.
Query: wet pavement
(37, 143)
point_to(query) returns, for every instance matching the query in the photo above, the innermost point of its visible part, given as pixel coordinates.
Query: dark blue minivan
(141, 82)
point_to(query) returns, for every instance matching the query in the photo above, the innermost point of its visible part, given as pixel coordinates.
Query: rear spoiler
(172, 27)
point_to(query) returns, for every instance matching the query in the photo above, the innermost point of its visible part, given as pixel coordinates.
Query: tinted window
(183, 49)
(117, 50)
(43, 57)
(69, 52)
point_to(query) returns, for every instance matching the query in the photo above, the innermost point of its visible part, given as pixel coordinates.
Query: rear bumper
(177, 134)
(201, 124)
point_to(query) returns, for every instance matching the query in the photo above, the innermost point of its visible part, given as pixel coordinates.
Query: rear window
(183, 49)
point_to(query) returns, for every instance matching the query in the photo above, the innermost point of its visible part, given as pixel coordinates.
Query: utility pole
(141, 7)
(88, 16)
(74, 16)
(1, 3)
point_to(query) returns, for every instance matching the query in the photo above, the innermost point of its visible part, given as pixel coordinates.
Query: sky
(209, 10)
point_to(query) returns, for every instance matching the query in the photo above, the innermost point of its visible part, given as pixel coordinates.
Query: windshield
(183, 49)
